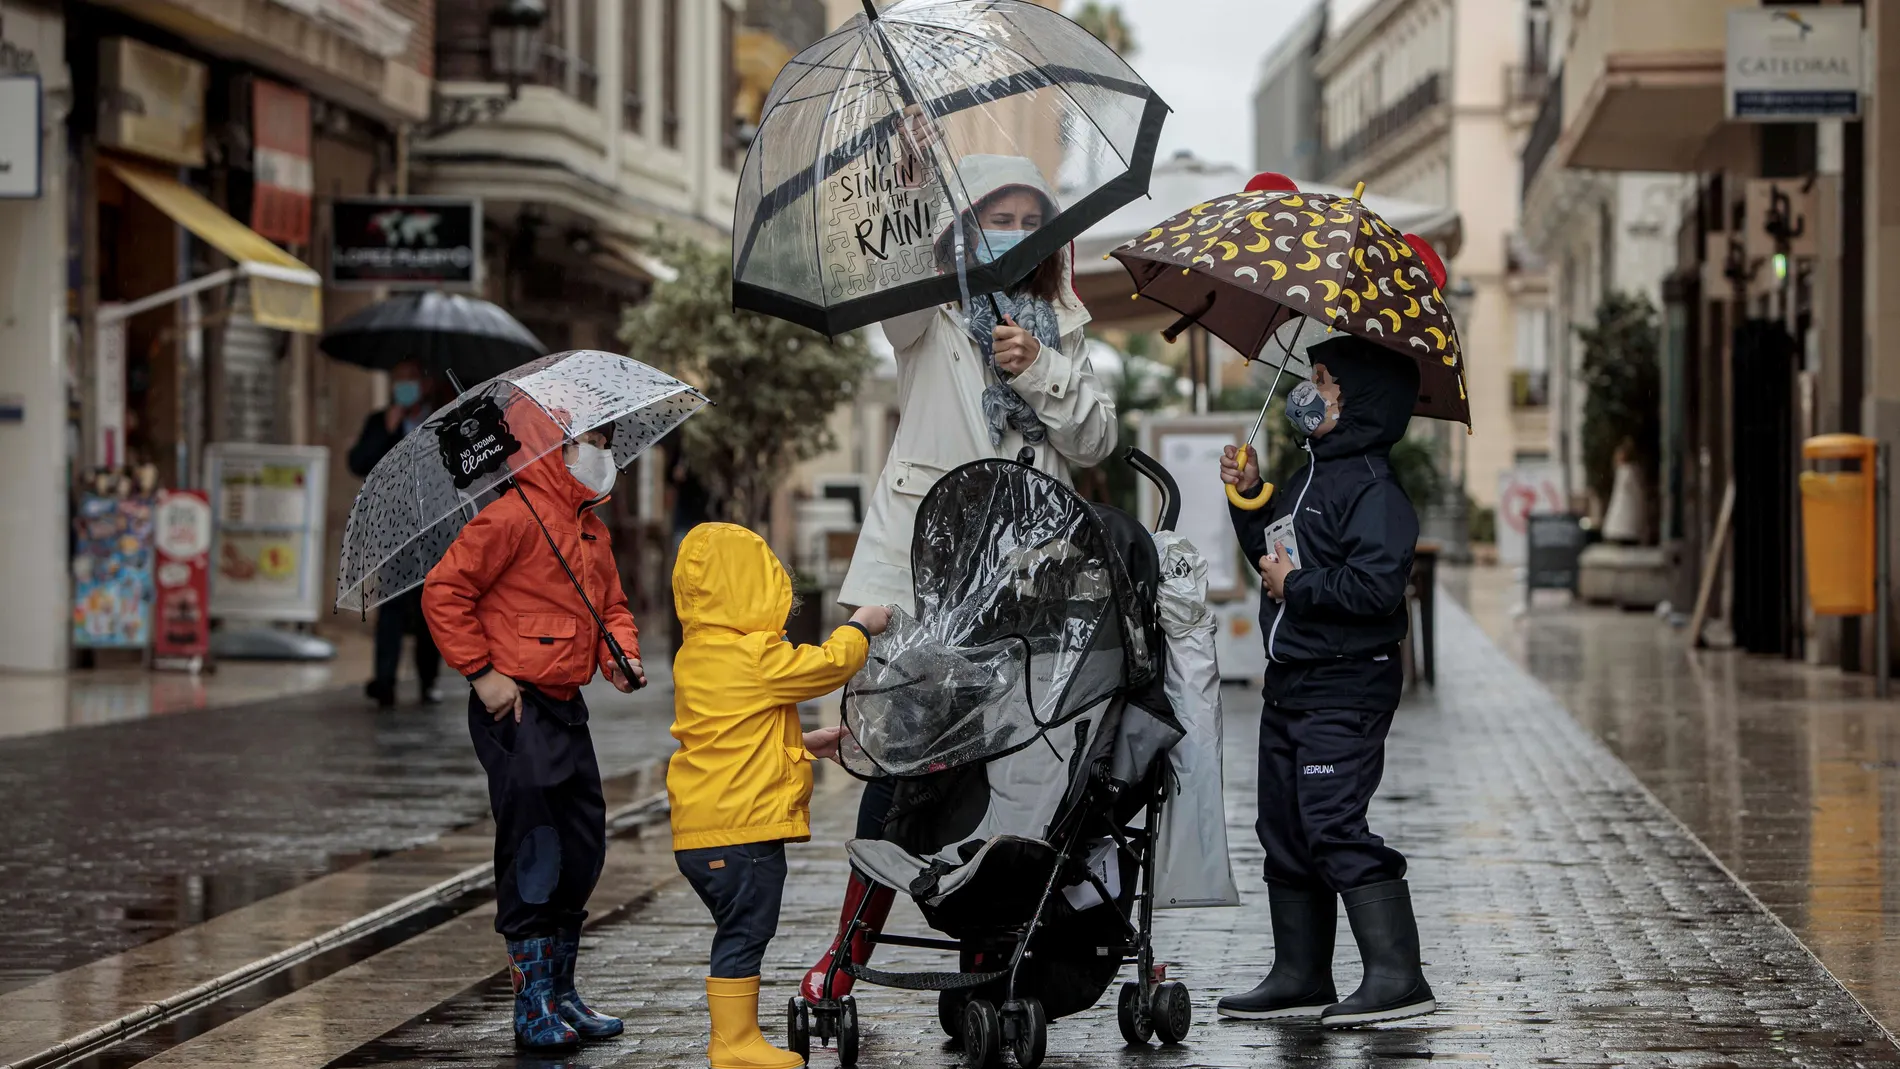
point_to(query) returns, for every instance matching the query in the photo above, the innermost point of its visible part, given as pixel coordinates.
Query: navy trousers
(1318, 771)
(742, 885)
(398, 617)
(550, 818)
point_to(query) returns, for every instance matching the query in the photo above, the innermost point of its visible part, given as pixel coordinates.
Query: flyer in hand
(1280, 533)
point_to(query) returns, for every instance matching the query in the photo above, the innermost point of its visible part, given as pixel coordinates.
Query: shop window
(632, 65)
(670, 73)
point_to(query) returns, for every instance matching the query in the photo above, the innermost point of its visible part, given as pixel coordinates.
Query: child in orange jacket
(505, 615)
(740, 783)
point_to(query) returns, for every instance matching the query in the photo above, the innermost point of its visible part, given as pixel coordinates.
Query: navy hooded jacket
(1334, 641)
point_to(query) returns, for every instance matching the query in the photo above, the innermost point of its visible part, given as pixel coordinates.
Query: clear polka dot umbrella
(440, 475)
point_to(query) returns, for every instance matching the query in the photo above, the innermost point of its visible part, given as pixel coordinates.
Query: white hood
(981, 174)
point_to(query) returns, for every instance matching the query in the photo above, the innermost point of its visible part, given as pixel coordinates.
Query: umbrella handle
(1252, 504)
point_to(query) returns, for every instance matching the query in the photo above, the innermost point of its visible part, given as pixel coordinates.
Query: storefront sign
(182, 538)
(112, 573)
(20, 137)
(267, 536)
(1555, 552)
(280, 194)
(1794, 64)
(151, 102)
(406, 243)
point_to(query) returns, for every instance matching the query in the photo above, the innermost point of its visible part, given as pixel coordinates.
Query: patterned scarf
(1003, 407)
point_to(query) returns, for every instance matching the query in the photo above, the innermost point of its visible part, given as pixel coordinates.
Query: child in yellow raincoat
(740, 783)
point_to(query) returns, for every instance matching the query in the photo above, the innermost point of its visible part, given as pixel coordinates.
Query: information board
(267, 530)
(1556, 545)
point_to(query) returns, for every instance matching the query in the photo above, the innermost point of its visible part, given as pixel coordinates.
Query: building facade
(1418, 101)
(1769, 270)
(1286, 101)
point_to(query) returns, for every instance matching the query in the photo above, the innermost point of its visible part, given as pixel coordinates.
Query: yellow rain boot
(736, 1040)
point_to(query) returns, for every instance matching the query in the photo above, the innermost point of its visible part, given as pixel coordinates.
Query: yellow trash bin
(1837, 526)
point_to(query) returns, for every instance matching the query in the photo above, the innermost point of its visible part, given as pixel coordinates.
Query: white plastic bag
(1192, 867)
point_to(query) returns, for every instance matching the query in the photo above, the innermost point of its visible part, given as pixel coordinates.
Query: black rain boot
(1394, 986)
(1300, 984)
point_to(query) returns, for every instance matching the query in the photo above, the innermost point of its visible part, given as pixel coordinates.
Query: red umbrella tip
(1273, 181)
(1430, 255)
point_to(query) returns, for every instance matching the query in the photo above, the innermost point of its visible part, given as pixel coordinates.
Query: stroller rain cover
(1027, 617)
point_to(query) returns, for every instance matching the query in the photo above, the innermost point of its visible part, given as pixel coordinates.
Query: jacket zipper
(1312, 463)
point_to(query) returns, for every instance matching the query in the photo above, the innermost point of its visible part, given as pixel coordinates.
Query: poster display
(181, 536)
(112, 572)
(267, 532)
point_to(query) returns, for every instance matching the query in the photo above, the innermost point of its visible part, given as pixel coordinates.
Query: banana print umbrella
(1245, 265)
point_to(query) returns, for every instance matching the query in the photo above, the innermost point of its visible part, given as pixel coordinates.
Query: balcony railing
(1418, 100)
(1530, 389)
(1545, 130)
(1525, 85)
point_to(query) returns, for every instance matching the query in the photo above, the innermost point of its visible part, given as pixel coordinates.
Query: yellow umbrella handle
(1259, 501)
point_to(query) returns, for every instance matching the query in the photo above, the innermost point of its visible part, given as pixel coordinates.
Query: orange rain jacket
(742, 773)
(498, 599)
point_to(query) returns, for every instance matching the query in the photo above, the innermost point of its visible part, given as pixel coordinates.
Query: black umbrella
(442, 331)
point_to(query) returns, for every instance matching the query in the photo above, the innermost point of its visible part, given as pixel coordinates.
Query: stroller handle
(1164, 482)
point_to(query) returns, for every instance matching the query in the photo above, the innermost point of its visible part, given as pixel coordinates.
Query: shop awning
(285, 294)
(642, 264)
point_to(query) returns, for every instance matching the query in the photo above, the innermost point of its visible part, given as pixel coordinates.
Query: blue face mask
(997, 242)
(1305, 408)
(406, 393)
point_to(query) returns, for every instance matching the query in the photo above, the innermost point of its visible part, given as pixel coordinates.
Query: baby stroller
(1024, 716)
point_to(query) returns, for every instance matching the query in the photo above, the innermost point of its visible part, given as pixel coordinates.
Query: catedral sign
(1792, 64)
(406, 243)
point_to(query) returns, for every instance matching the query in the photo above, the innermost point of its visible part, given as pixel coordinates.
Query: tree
(1106, 22)
(1622, 383)
(774, 385)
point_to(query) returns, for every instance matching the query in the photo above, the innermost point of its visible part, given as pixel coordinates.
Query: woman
(971, 385)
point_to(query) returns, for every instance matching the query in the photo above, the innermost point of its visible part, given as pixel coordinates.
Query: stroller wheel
(798, 1027)
(982, 1035)
(950, 1013)
(848, 1032)
(1031, 1041)
(1136, 1025)
(1173, 1012)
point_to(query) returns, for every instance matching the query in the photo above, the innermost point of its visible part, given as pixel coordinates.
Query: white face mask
(593, 467)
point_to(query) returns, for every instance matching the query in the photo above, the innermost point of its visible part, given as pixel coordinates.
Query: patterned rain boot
(876, 910)
(538, 1025)
(589, 1025)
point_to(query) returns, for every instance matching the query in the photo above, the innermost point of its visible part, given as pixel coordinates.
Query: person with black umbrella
(411, 391)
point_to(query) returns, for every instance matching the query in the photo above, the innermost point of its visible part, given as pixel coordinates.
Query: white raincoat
(941, 376)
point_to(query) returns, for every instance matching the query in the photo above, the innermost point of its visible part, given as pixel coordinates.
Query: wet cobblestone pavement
(1789, 772)
(120, 834)
(1567, 919)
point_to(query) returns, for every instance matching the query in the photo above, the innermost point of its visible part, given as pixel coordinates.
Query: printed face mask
(593, 467)
(1305, 408)
(406, 393)
(997, 242)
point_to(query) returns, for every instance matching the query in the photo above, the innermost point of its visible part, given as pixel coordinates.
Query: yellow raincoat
(742, 774)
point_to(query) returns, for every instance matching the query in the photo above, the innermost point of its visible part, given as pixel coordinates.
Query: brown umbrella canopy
(1245, 264)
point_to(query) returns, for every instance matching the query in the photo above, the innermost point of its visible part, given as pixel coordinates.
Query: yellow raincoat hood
(741, 774)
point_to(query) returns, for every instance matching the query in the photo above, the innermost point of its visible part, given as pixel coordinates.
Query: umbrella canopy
(1250, 264)
(842, 219)
(419, 496)
(441, 331)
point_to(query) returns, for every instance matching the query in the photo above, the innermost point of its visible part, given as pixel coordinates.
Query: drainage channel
(157, 1034)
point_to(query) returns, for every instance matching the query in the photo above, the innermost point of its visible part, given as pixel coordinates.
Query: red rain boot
(876, 909)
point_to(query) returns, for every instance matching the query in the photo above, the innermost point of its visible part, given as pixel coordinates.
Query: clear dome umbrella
(419, 496)
(845, 207)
